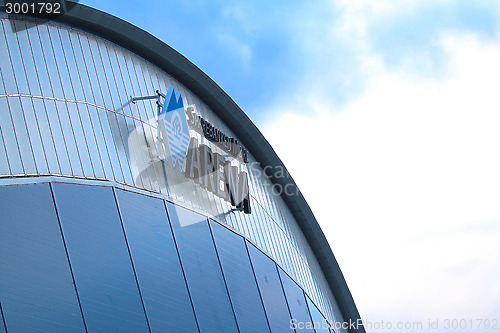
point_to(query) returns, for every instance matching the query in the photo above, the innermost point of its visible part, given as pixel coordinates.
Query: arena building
(136, 196)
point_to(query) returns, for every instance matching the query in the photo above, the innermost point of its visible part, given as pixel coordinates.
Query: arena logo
(199, 162)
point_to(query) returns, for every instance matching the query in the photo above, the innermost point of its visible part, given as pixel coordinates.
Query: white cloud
(405, 183)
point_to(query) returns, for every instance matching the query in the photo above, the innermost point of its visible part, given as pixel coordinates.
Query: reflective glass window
(99, 256)
(36, 286)
(271, 290)
(317, 318)
(241, 284)
(296, 301)
(156, 263)
(203, 273)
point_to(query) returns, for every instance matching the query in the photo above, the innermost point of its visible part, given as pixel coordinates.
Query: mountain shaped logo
(176, 126)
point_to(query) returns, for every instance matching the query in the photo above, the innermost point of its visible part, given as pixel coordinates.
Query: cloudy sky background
(397, 103)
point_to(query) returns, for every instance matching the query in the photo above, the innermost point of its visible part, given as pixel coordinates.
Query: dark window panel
(203, 274)
(99, 256)
(240, 280)
(296, 301)
(271, 290)
(36, 287)
(156, 263)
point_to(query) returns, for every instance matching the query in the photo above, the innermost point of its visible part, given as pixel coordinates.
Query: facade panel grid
(59, 133)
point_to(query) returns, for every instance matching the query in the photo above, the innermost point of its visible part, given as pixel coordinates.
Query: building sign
(200, 162)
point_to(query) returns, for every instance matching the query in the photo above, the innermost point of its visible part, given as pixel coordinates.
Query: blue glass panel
(101, 264)
(36, 287)
(240, 280)
(296, 302)
(271, 290)
(156, 263)
(203, 274)
(320, 323)
(2, 322)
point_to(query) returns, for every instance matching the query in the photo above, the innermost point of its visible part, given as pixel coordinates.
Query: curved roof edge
(165, 57)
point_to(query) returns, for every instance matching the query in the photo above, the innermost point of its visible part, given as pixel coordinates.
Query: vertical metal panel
(99, 77)
(39, 60)
(3, 57)
(90, 140)
(22, 135)
(4, 163)
(61, 63)
(113, 124)
(99, 257)
(27, 57)
(46, 136)
(113, 72)
(156, 263)
(91, 87)
(51, 62)
(201, 267)
(137, 88)
(100, 118)
(317, 317)
(15, 58)
(36, 287)
(126, 126)
(28, 108)
(101, 146)
(271, 290)
(62, 114)
(296, 301)
(74, 124)
(242, 287)
(62, 35)
(63, 156)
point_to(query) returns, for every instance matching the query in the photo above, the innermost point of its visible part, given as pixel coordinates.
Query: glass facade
(93, 258)
(66, 111)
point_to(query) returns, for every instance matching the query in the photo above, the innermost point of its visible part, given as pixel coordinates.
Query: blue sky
(256, 50)
(405, 94)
